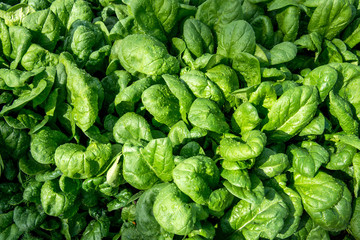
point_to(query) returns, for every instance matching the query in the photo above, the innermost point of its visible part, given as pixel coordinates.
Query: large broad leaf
(264, 30)
(181, 92)
(85, 93)
(264, 220)
(225, 77)
(28, 218)
(132, 128)
(354, 227)
(245, 118)
(196, 176)
(220, 199)
(80, 10)
(349, 74)
(137, 172)
(158, 155)
(173, 211)
(145, 220)
(308, 159)
(249, 68)
(292, 112)
(162, 104)
(141, 53)
(342, 111)
(97, 229)
(20, 41)
(282, 53)
(335, 218)
(250, 146)
(25, 97)
(342, 158)
(155, 17)
(44, 144)
(288, 21)
(45, 27)
(236, 37)
(217, 13)
(15, 142)
(270, 164)
(126, 98)
(253, 194)
(83, 40)
(55, 202)
(37, 57)
(320, 192)
(293, 200)
(198, 37)
(76, 161)
(324, 78)
(202, 87)
(206, 114)
(331, 17)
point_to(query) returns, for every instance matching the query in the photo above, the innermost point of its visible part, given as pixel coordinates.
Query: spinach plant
(179, 119)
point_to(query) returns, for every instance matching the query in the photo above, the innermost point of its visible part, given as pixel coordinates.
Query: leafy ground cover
(179, 119)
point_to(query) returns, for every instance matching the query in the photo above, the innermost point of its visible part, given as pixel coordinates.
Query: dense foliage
(179, 119)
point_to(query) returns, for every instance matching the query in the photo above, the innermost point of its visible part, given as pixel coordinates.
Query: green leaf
(196, 176)
(181, 92)
(341, 110)
(155, 17)
(354, 226)
(55, 202)
(44, 143)
(162, 104)
(132, 128)
(324, 78)
(96, 229)
(282, 53)
(356, 165)
(202, 87)
(250, 146)
(173, 211)
(220, 199)
(331, 17)
(270, 164)
(85, 93)
(127, 97)
(253, 194)
(146, 222)
(28, 219)
(249, 68)
(245, 117)
(226, 79)
(198, 37)
(308, 159)
(76, 161)
(217, 13)
(206, 114)
(45, 28)
(236, 37)
(136, 171)
(291, 113)
(140, 53)
(263, 220)
(342, 158)
(159, 157)
(320, 192)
